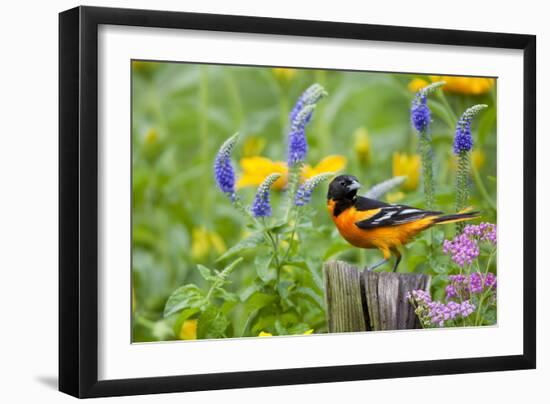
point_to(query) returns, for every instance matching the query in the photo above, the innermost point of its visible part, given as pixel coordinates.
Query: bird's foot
(378, 264)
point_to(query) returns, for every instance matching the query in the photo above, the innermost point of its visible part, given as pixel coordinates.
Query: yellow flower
(202, 241)
(362, 145)
(188, 329)
(409, 166)
(256, 169)
(466, 85)
(417, 84)
(284, 74)
(394, 197)
(308, 332)
(253, 146)
(330, 164)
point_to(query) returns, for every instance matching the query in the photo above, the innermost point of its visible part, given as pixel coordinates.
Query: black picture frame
(78, 201)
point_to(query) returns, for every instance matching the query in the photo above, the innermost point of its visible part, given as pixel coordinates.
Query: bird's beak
(355, 185)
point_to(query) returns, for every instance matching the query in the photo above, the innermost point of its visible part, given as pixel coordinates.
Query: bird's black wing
(362, 203)
(388, 215)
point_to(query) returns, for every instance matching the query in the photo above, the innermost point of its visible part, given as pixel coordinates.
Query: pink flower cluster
(483, 232)
(464, 248)
(463, 286)
(435, 312)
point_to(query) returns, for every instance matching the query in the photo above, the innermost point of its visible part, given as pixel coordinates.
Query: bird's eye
(343, 183)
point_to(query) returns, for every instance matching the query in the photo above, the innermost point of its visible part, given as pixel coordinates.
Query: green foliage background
(182, 113)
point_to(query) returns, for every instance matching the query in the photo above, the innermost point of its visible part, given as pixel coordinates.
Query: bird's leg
(378, 264)
(397, 254)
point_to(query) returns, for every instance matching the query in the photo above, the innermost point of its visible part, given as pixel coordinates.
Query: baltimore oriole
(368, 223)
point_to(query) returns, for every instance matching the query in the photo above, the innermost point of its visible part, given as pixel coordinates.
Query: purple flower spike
(463, 136)
(261, 207)
(224, 172)
(311, 96)
(420, 113)
(297, 142)
(303, 195)
(299, 117)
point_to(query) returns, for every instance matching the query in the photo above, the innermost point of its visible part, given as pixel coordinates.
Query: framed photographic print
(251, 201)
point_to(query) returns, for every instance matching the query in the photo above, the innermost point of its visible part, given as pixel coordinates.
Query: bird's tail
(461, 216)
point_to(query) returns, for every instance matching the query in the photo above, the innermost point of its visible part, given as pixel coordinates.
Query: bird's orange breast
(383, 238)
(345, 223)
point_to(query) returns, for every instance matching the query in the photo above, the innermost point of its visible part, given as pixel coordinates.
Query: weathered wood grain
(343, 298)
(369, 301)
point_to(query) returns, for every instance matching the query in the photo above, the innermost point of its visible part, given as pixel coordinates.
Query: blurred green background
(182, 113)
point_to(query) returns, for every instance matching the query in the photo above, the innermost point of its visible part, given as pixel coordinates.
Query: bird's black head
(343, 187)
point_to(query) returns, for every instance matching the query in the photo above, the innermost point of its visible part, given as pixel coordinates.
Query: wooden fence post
(369, 301)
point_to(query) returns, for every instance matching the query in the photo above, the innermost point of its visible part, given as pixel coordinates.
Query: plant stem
(293, 182)
(291, 241)
(145, 322)
(488, 291)
(462, 185)
(489, 261)
(427, 177)
(274, 244)
(480, 305)
(427, 169)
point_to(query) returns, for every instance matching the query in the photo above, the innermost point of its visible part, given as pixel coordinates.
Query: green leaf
(490, 316)
(278, 227)
(279, 328)
(228, 269)
(252, 241)
(263, 268)
(185, 297)
(252, 306)
(225, 295)
(336, 249)
(258, 300)
(297, 264)
(205, 272)
(212, 323)
(285, 289)
(245, 294)
(311, 295)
